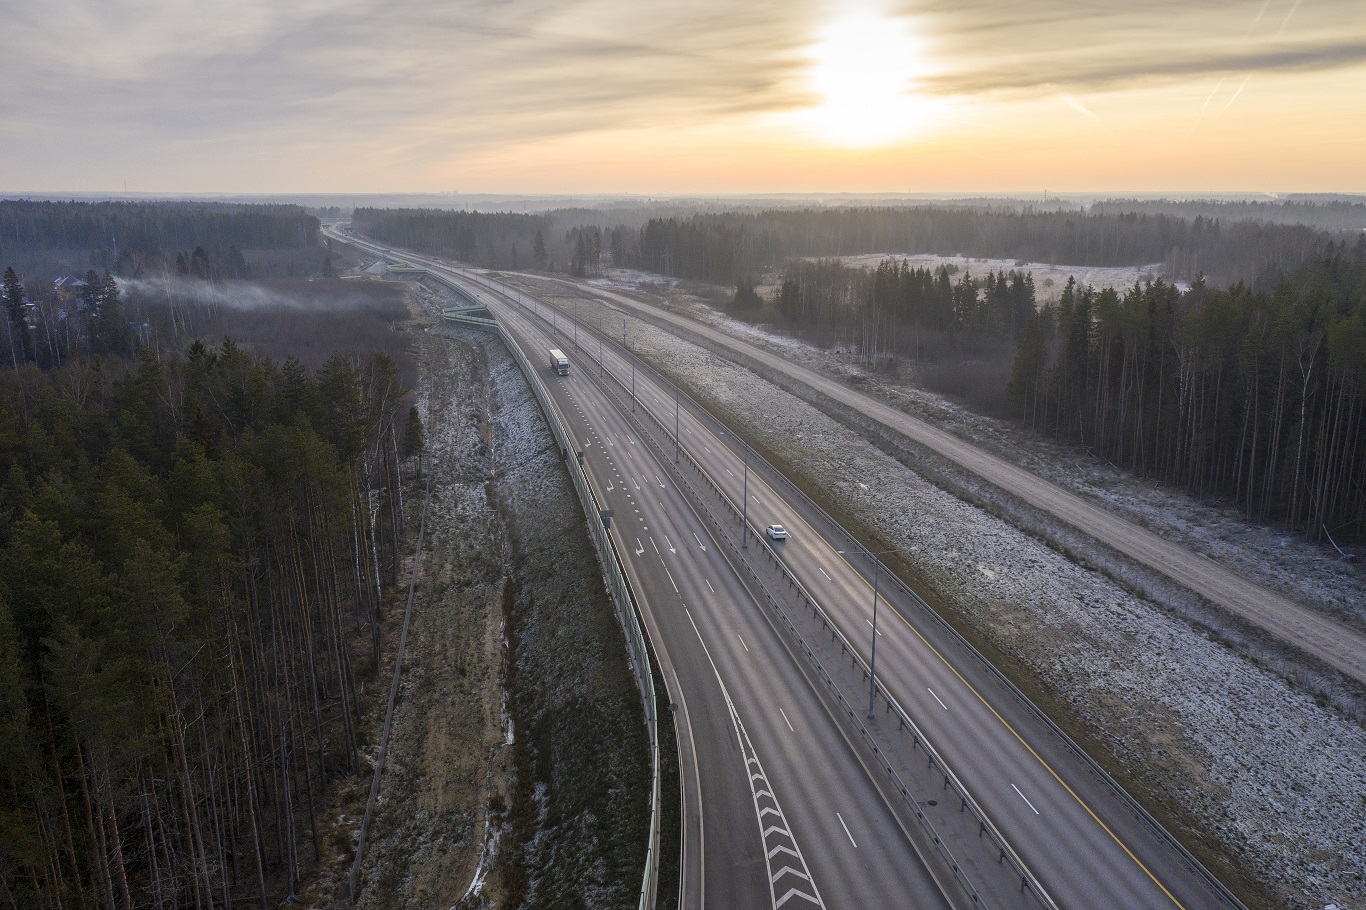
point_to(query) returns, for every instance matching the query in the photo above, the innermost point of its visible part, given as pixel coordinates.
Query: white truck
(559, 364)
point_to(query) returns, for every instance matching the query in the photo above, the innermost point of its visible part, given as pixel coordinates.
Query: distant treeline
(154, 227)
(727, 246)
(1256, 396)
(1326, 214)
(134, 238)
(895, 310)
(489, 239)
(191, 551)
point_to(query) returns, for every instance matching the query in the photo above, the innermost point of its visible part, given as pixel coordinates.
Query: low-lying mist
(308, 320)
(323, 298)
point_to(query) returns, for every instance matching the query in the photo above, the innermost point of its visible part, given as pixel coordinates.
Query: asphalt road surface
(745, 701)
(782, 812)
(1291, 622)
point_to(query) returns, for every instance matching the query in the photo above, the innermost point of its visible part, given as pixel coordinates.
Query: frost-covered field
(1280, 780)
(1310, 573)
(1049, 279)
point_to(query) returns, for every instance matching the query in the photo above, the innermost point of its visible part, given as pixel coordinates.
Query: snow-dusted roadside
(1309, 573)
(1278, 779)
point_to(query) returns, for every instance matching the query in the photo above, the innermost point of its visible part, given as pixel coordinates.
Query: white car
(776, 532)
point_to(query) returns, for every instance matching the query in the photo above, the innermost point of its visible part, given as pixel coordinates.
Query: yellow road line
(1049, 768)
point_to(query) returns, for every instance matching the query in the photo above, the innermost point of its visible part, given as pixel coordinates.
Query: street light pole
(744, 504)
(872, 655)
(872, 649)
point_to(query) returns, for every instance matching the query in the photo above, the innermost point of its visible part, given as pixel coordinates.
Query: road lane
(980, 740)
(1065, 825)
(813, 777)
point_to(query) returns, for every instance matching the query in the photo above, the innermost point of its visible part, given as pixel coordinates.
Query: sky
(677, 98)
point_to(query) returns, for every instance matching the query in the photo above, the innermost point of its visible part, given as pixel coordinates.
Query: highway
(744, 707)
(740, 686)
(1311, 632)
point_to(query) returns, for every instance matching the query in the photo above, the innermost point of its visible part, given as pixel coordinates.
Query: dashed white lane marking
(671, 579)
(870, 625)
(655, 545)
(708, 448)
(755, 498)
(709, 587)
(779, 841)
(846, 830)
(1025, 798)
(731, 473)
(785, 720)
(742, 642)
(937, 698)
(823, 572)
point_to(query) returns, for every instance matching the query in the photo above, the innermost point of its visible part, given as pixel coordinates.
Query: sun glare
(864, 69)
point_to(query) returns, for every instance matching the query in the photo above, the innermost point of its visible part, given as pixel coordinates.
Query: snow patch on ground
(1279, 778)
(1049, 279)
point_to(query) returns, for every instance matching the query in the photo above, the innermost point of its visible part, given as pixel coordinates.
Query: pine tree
(414, 436)
(21, 344)
(746, 298)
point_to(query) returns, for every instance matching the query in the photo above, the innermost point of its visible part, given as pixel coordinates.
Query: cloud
(1077, 106)
(1102, 70)
(219, 94)
(1049, 45)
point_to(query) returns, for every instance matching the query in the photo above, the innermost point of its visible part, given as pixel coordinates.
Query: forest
(192, 558)
(724, 247)
(129, 238)
(1251, 394)
(195, 542)
(1331, 213)
(1256, 396)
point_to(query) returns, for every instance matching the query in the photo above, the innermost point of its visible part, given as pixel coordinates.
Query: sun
(864, 68)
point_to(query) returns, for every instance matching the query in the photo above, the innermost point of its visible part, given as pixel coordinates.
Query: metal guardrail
(919, 741)
(1220, 890)
(622, 597)
(1218, 887)
(469, 315)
